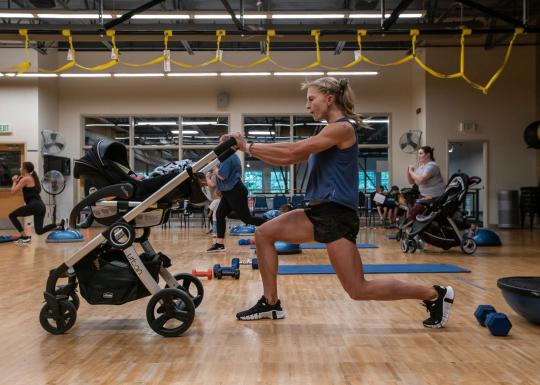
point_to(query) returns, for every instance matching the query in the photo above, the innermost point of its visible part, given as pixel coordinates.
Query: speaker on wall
(58, 163)
(223, 100)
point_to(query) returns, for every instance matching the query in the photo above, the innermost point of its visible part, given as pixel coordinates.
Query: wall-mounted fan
(410, 141)
(53, 183)
(53, 142)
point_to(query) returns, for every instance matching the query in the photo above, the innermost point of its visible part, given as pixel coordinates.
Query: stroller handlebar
(225, 149)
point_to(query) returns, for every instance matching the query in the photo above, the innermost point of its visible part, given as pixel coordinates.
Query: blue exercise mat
(6, 238)
(306, 246)
(375, 269)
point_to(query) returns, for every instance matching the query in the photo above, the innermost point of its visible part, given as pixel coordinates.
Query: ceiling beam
(491, 12)
(128, 15)
(235, 20)
(395, 14)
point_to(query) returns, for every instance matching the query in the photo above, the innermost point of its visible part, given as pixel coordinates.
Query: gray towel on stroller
(176, 166)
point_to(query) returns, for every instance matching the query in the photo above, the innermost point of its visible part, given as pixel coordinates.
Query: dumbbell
(497, 323)
(244, 242)
(254, 264)
(220, 272)
(207, 273)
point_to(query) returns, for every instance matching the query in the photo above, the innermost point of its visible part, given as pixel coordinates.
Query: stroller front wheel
(61, 323)
(468, 246)
(170, 312)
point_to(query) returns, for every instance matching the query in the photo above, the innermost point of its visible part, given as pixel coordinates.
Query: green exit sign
(5, 129)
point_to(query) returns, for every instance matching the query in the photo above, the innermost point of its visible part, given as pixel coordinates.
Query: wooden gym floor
(326, 339)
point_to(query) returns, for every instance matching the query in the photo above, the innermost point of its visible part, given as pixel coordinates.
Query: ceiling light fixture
(138, 75)
(192, 74)
(352, 73)
(72, 16)
(161, 16)
(100, 75)
(298, 73)
(308, 16)
(14, 15)
(246, 74)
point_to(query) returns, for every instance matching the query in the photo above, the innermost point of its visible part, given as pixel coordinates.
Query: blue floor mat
(375, 269)
(306, 246)
(6, 238)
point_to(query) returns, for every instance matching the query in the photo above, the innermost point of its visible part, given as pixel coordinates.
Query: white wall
(501, 115)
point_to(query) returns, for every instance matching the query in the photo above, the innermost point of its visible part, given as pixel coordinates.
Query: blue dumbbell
(481, 313)
(225, 271)
(254, 264)
(498, 324)
(235, 263)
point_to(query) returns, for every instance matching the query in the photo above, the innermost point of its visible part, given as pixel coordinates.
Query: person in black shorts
(28, 182)
(331, 216)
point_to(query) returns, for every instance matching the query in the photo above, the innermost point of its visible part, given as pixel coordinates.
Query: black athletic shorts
(332, 221)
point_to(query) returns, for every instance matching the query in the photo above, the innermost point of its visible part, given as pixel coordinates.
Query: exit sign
(5, 128)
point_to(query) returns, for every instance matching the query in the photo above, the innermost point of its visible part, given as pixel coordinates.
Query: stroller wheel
(404, 243)
(468, 246)
(195, 291)
(413, 245)
(170, 312)
(61, 324)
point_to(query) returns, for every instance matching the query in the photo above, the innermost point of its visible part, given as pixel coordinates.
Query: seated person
(428, 178)
(391, 204)
(381, 209)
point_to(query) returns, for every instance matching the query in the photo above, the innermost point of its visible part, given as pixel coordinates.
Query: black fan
(53, 183)
(410, 141)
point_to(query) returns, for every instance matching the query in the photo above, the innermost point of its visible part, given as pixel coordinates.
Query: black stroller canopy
(107, 149)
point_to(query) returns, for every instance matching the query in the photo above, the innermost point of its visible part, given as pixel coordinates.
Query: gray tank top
(333, 175)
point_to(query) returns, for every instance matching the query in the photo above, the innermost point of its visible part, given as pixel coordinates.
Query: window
(267, 129)
(373, 168)
(203, 130)
(156, 131)
(116, 129)
(279, 181)
(374, 130)
(146, 160)
(10, 163)
(253, 180)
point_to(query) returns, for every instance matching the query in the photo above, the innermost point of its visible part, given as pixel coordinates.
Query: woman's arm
(282, 154)
(19, 182)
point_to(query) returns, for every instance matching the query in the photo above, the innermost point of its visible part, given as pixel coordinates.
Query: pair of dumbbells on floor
(497, 323)
(228, 271)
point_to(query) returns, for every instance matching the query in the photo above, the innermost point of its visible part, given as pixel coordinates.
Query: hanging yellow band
(26, 64)
(166, 34)
(269, 34)
(316, 34)
(111, 63)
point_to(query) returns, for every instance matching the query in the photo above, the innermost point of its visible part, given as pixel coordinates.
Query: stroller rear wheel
(170, 312)
(195, 291)
(468, 246)
(404, 243)
(61, 323)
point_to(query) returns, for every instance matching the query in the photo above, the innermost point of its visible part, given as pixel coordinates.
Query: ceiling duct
(43, 3)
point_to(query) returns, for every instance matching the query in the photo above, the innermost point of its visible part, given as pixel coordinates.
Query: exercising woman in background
(28, 182)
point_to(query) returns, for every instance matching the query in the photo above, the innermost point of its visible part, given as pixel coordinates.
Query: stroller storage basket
(106, 277)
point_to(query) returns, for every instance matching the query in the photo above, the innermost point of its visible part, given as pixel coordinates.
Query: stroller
(443, 221)
(108, 269)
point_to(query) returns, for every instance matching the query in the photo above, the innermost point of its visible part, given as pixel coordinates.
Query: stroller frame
(61, 302)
